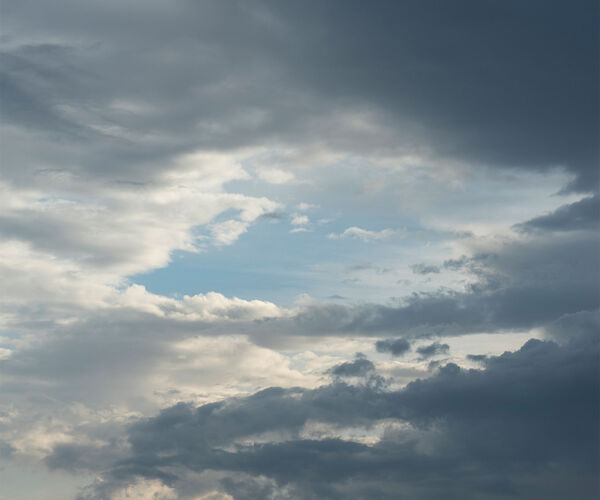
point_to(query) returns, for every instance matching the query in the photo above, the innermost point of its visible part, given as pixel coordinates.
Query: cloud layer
(504, 430)
(249, 249)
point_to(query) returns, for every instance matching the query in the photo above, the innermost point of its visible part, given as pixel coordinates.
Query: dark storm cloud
(434, 349)
(525, 426)
(508, 84)
(583, 214)
(396, 347)
(490, 82)
(360, 367)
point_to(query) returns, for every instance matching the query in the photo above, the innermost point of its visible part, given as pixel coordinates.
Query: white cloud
(226, 233)
(275, 175)
(299, 220)
(303, 207)
(207, 307)
(146, 489)
(365, 234)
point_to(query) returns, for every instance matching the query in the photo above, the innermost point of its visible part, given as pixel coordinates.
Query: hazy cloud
(365, 234)
(425, 269)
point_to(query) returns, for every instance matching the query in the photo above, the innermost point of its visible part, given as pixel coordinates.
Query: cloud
(395, 347)
(520, 285)
(364, 234)
(433, 350)
(424, 269)
(360, 367)
(299, 220)
(226, 233)
(463, 433)
(581, 215)
(275, 176)
(476, 357)
(131, 135)
(131, 228)
(306, 206)
(270, 82)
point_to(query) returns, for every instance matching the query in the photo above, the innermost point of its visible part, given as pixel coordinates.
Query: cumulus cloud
(133, 134)
(480, 418)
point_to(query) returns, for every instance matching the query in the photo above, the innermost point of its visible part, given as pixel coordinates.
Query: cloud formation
(581, 215)
(360, 367)
(396, 347)
(434, 349)
(480, 433)
(161, 328)
(365, 234)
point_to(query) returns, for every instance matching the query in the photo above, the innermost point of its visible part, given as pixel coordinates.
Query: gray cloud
(99, 102)
(434, 349)
(476, 357)
(360, 367)
(523, 285)
(396, 347)
(425, 269)
(224, 74)
(581, 215)
(499, 431)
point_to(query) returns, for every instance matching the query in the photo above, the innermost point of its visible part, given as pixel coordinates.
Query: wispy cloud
(366, 235)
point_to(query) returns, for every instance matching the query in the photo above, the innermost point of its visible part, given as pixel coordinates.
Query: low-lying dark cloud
(434, 349)
(396, 347)
(360, 367)
(523, 427)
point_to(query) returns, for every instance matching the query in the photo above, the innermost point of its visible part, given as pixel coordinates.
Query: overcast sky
(299, 249)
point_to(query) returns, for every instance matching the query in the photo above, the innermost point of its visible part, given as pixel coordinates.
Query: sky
(299, 250)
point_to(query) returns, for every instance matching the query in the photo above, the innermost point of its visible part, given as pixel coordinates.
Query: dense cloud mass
(279, 249)
(505, 430)
(507, 84)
